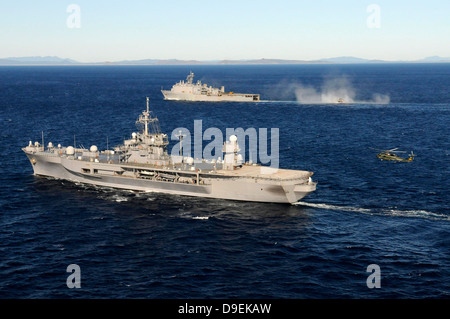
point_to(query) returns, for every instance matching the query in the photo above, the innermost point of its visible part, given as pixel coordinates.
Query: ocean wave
(190, 216)
(119, 198)
(200, 217)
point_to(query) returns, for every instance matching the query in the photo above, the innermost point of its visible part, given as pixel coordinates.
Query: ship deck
(245, 171)
(256, 171)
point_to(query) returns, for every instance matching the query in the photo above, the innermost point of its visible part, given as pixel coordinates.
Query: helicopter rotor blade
(378, 149)
(393, 150)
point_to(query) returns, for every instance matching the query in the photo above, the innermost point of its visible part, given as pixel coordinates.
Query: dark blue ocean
(134, 245)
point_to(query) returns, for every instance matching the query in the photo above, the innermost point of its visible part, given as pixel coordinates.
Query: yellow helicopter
(391, 155)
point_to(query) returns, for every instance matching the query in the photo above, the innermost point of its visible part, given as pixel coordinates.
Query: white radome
(70, 150)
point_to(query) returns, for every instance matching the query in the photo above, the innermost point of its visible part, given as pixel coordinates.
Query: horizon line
(55, 60)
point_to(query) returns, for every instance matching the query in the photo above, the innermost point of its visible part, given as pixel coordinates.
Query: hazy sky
(116, 30)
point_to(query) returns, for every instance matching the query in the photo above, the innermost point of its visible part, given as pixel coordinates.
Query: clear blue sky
(211, 30)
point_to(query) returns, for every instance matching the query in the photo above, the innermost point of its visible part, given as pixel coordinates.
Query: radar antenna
(145, 118)
(150, 124)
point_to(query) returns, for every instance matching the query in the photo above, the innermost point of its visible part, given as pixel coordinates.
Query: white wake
(419, 213)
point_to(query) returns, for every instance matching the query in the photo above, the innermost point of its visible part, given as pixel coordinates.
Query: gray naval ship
(142, 163)
(188, 91)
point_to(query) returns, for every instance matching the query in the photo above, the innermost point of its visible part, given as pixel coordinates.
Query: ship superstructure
(189, 91)
(142, 163)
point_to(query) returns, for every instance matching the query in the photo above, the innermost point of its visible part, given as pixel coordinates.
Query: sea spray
(331, 90)
(334, 90)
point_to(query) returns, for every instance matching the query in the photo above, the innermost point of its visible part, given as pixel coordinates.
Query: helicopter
(391, 155)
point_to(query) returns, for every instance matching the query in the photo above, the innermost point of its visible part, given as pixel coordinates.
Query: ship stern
(295, 192)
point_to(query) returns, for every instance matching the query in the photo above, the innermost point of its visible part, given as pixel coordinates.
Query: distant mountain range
(54, 60)
(40, 60)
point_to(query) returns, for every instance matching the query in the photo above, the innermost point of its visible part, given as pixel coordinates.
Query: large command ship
(142, 163)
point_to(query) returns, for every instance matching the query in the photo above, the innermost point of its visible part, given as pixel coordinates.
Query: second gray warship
(188, 91)
(142, 163)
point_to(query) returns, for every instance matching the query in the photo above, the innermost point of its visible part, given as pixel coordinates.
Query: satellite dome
(70, 150)
(93, 148)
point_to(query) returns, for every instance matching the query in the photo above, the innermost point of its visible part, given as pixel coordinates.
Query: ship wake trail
(334, 90)
(379, 211)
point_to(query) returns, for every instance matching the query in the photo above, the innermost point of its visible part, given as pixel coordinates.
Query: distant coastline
(53, 60)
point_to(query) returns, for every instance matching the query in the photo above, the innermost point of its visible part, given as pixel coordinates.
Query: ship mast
(146, 119)
(150, 127)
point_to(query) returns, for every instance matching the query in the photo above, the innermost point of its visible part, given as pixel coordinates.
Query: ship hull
(226, 187)
(235, 97)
